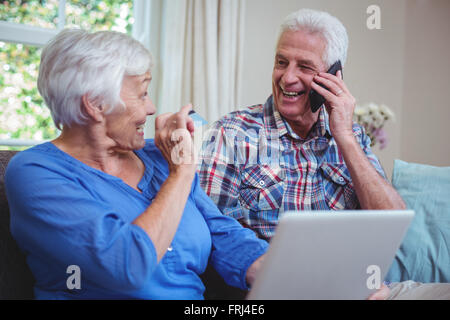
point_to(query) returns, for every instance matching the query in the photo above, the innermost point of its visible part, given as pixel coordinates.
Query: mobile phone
(198, 120)
(315, 99)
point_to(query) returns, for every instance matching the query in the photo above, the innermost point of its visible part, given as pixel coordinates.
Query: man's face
(298, 58)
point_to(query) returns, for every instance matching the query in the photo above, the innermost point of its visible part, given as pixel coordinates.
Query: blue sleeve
(234, 248)
(56, 219)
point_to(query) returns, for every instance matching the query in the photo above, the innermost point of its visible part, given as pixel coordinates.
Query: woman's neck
(92, 147)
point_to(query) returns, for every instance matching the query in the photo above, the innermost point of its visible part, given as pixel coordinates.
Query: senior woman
(131, 218)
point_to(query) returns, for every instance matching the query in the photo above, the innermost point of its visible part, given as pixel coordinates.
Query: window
(25, 27)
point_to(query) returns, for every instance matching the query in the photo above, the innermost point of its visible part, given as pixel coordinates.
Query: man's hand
(339, 104)
(381, 294)
(372, 190)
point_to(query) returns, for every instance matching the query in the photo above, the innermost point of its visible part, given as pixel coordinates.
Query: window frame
(11, 32)
(26, 34)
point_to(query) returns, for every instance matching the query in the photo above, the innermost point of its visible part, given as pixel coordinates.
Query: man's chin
(293, 111)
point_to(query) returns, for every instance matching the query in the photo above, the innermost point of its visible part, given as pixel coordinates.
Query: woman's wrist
(183, 173)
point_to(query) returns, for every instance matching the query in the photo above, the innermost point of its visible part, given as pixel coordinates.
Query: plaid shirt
(254, 167)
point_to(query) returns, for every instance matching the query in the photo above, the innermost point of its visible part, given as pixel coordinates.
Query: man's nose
(290, 75)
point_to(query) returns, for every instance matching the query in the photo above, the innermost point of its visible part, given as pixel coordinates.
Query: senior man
(281, 156)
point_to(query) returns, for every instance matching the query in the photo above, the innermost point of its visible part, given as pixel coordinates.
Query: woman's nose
(150, 108)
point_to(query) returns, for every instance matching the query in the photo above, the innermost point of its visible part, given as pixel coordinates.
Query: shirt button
(341, 179)
(261, 183)
(169, 248)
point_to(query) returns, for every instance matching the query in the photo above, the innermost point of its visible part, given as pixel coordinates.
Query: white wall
(374, 70)
(405, 65)
(425, 134)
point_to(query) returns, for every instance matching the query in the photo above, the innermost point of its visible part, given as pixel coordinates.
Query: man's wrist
(343, 140)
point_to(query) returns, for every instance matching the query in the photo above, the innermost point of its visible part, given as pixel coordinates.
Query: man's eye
(281, 63)
(307, 69)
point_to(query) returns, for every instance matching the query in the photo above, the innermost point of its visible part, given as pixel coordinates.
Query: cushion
(16, 279)
(424, 255)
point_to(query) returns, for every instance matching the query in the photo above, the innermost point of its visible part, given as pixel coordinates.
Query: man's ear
(92, 108)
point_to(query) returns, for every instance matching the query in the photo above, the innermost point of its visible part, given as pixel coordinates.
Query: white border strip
(20, 142)
(26, 34)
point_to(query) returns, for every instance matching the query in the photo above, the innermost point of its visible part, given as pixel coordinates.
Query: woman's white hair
(332, 30)
(76, 62)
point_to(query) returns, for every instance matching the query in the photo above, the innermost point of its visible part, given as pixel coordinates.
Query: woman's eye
(144, 95)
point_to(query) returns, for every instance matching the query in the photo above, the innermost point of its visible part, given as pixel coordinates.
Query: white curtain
(197, 48)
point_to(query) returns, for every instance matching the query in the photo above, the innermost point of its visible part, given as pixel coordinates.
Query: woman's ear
(93, 108)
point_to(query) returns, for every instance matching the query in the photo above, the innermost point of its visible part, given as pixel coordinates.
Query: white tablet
(330, 255)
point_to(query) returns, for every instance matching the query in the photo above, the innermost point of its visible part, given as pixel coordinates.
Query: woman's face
(126, 127)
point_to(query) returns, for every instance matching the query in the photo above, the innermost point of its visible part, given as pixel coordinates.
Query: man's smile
(289, 93)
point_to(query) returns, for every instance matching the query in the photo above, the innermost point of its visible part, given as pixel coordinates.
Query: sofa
(424, 255)
(16, 280)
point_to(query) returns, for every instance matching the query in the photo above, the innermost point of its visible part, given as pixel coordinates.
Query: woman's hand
(253, 270)
(173, 137)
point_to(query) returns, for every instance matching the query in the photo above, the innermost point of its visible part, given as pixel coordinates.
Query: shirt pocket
(337, 186)
(262, 187)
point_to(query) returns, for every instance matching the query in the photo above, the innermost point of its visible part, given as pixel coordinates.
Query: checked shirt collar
(274, 120)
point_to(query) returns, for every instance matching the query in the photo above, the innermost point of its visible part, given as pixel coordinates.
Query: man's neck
(302, 125)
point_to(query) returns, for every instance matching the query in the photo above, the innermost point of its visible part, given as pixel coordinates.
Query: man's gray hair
(323, 23)
(76, 62)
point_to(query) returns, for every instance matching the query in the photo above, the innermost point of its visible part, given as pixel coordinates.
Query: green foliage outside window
(23, 114)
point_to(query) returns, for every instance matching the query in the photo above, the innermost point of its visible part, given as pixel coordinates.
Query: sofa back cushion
(424, 255)
(16, 280)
